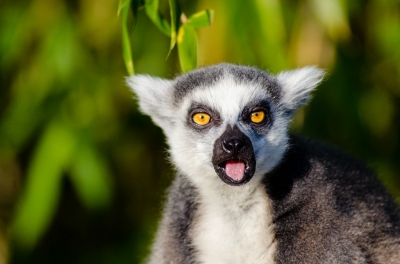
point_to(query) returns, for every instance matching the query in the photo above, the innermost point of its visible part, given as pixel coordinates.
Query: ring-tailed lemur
(248, 192)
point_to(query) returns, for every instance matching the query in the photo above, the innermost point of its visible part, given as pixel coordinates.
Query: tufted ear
(297, 86)
(155, 98)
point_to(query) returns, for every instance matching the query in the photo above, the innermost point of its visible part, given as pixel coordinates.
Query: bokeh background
(83, 173)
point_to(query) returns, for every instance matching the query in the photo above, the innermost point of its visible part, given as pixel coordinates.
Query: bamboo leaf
(126, 44)
(122, 4)
(135, 6)
(176, 12)
(40, 198)
(151, 7)
(187, 47)
(91, 178)
(201, 19)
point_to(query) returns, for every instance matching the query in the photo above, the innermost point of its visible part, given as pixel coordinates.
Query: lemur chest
(239, 231)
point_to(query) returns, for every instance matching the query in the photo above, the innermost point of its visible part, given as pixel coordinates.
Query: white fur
(297, 85)
(235, 228)
(155, 98)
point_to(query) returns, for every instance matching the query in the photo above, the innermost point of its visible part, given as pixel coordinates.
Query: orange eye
(201, 119)
(257, 117)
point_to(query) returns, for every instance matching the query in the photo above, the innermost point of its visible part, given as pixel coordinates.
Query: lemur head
(225, 122)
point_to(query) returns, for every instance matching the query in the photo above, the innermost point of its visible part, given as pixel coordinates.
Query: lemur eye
(257, 117)
(201, 119)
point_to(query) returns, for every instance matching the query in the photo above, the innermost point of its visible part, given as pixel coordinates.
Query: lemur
(248, 191)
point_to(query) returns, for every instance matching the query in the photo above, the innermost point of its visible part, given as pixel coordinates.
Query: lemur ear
(154, 96)
(297, 86)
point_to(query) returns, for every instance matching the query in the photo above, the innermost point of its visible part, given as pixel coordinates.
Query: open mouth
(235, 171)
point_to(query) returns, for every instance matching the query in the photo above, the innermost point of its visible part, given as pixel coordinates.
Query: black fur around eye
(201, 117)
(257, 114)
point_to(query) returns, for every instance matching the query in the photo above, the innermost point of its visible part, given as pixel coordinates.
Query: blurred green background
(83, 173)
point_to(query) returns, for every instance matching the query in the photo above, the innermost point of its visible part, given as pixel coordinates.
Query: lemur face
(225, 122)
(227, 129)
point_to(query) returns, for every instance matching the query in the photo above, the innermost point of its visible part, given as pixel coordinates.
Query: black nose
(232, 145)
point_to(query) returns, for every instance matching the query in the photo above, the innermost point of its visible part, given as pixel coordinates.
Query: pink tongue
(235, 170)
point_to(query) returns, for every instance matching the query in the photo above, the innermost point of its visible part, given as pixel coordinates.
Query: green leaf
(201, 19)
(12, 136)
(187, 47)
(151, 7)
(135, 6)
(42, 190)
(126, 44)
(176, 13)
(122, 4)
(91, 177)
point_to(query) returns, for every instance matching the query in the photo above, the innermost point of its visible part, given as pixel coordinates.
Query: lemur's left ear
(297, 85)
(155, 98)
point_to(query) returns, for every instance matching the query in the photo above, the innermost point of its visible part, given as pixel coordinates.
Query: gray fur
(208, 76)
(330, 208)
(306, 202)
(173, 241)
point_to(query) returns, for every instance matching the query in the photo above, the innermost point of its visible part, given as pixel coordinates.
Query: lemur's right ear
(154, 96)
